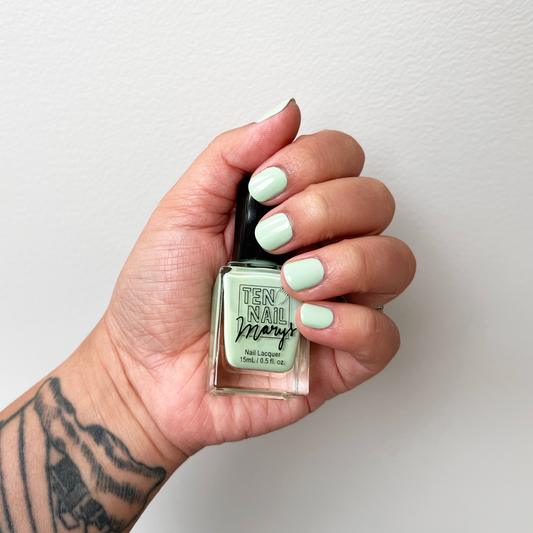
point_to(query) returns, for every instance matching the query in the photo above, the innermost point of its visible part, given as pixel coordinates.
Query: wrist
(79, 449)
(95, 373)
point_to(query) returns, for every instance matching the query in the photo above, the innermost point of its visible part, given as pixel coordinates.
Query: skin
(141, 373)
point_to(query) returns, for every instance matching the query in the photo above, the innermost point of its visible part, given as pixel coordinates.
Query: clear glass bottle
(255, 348)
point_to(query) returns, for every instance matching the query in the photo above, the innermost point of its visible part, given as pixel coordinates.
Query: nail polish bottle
(255, 348)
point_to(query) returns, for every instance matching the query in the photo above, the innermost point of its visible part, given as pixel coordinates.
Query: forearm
(78, 452)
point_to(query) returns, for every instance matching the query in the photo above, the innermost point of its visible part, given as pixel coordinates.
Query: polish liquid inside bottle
(255, 348)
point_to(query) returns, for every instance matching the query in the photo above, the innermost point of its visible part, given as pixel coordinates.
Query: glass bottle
(255, 348)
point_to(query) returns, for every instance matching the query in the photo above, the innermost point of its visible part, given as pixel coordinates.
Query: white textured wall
(104, 104)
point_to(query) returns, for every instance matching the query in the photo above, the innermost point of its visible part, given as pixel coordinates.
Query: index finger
(323, 156)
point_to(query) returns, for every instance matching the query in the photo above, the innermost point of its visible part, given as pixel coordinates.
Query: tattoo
(57, 476)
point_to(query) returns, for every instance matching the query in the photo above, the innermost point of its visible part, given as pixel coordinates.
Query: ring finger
(371, 270)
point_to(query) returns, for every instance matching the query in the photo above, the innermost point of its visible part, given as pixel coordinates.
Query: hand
(159, 316)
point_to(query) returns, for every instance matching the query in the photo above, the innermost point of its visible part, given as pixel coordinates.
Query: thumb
(208, 190)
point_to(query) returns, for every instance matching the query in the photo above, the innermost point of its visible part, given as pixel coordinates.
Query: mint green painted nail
(303, 274)
(276, 110)
(315, 316)
(267, 184)
(273, 232)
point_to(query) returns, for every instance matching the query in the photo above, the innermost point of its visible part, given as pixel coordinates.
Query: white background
(104, 104)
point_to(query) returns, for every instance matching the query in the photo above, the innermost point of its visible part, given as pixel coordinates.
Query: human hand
(158, 320)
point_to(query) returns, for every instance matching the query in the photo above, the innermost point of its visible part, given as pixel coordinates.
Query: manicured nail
(267, 184)
(303, 274)
(276, 110)
(315, 316)
(273, 232)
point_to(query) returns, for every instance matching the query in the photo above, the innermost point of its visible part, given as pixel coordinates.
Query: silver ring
(380, 308)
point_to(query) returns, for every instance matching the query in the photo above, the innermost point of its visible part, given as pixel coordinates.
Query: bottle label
(259, 321)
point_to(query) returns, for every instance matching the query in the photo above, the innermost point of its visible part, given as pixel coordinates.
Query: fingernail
(273, 232)
(303, 274)
(276, 110)
(315, 316)
(267, 184)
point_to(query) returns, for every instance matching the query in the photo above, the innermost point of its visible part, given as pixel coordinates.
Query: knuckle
(328, 149)
(370, 326)
(218, 147)
(391, 343)
(332, 136)
(409, 260)
(228, 152)
(381, 335)
(386, 200)
(358, 268)
(219, 141)
(403, 255)
(348, 145)
(355, 148)
(310, 150)
(304, 142)
(316, 205)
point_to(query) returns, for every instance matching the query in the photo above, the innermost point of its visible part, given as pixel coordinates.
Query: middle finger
(344, 207)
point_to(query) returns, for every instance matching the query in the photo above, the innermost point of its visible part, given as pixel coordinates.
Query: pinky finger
(369, 337)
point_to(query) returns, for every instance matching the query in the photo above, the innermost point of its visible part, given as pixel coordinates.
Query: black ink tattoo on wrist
(84, 477)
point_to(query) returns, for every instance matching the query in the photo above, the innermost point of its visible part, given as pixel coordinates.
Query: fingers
(370, 337)
(339, 208)
(326, 155)
(372, 270)
(208, 189)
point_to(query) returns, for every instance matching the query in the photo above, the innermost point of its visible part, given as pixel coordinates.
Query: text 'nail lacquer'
(255, 348)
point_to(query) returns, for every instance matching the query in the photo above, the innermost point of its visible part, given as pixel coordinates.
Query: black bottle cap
(248, 213)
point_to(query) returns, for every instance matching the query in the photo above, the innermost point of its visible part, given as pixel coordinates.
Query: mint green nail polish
(316, 316)
(273, 232)
(267, 184)
(303, 274)
(276, 110)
